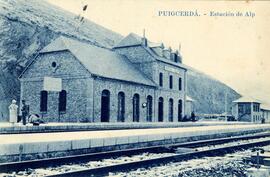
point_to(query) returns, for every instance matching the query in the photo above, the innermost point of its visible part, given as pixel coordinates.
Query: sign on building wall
(52, 84)
(172, 70)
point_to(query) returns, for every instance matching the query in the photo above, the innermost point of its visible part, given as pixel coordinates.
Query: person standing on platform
(25, 111)
(13, 110)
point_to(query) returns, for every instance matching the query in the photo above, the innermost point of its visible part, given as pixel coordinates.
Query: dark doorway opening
(136, 108)
(149, 108)
(180, 110)
(160, 109)
(105, 106)
(170, 110)
(62, 101)
(121, 107)
(43, 101)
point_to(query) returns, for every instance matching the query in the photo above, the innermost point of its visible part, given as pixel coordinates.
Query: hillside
(209, 94)
(26, 26)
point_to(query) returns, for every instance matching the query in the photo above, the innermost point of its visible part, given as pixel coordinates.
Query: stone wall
(139, 57)
(174, 93)
(151, 67)
(129, 90)
(76, 81)
(84, 91)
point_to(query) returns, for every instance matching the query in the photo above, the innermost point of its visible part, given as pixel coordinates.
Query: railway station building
(265, 109)
(247, 109)
(136, 81)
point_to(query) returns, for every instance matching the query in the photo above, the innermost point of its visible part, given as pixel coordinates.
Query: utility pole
(226, 94)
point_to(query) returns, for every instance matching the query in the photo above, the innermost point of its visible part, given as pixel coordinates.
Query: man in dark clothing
(25, 111)
(193, 117)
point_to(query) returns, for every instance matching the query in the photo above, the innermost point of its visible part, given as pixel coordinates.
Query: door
(160, 109)
(105, 106)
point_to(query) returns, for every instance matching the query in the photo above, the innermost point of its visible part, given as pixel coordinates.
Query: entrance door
(136, 108)
(160, 109)
(121, 107)
(179, 110)
(149, 108)
(105, 106)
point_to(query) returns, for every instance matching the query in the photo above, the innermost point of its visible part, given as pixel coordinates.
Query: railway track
(104, 170)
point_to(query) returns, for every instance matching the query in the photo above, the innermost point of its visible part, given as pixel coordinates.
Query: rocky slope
(26, 26)
(208, 93)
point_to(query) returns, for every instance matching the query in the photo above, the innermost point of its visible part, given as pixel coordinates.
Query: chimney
(176, 57)
(144, 40)
(179, 53)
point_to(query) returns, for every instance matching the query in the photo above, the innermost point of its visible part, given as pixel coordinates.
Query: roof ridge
(99, 61)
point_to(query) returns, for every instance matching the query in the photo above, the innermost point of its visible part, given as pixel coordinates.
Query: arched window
(160, 79)
(121, 107)
(160, 109)
(105, 106)
(179, 110)
(136, 108)
(170, 110)
(43, 101)
(171, 82)
(180, 84)
(62, 102)
(149, 108)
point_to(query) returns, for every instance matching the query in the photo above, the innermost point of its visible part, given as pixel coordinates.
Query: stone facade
(75, 80)
(115, 87)
(145, 62)
(85, 89)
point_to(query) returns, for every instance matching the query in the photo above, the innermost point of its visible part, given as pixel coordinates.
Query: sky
(232, 49)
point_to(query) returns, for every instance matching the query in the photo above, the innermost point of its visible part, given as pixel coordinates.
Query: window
(160, 79)
(180, 84)
(149, 108)
(160, 109)
(244, 108)
(54, 64)
(105, 106)
(175, 57)
(170, 110)
(62, 100)
(256, 107)
(180, 110)
(241, 108)
(43, 101)
(136, 107)
(121, 107)
(171, 82)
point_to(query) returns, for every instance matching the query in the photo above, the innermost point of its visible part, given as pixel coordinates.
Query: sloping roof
(99, 61)
(130, 40)
(265, 107)
(246, 99)
(189, 99)
(135, 40)
(163, 59)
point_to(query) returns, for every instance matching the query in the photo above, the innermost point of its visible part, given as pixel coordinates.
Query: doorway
(105, 106)
(160, 109)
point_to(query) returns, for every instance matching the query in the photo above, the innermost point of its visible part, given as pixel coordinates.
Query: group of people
(14, 118)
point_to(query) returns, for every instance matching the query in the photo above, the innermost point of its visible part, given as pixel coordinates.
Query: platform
(8, 128)
(15, 147)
